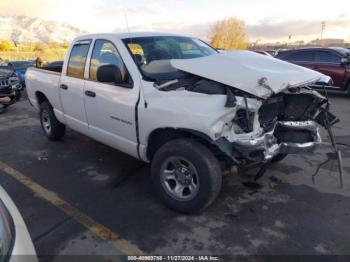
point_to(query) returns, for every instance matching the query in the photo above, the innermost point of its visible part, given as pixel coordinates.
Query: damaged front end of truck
(285, 123)
(275, 111)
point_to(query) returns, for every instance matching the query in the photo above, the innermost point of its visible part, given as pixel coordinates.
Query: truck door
(72, 87)
(111, 107)
(330, 64)
(305, 58)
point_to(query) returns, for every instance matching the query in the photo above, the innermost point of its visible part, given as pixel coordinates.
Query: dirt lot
(288, 215)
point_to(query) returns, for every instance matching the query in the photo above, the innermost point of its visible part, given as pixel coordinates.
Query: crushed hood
(253, 73)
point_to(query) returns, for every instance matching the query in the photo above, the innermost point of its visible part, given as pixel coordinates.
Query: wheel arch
(41, 97)
(160, 136)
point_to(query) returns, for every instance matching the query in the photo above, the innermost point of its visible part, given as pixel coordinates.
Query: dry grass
(48, 54)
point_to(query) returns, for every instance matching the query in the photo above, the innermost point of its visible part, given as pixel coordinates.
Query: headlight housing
(7, 233)
(14, 80)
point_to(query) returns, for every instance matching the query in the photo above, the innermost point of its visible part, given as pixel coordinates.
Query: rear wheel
(186, 175)
(53, 129)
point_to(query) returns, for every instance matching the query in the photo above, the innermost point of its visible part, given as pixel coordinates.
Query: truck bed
(45, 82)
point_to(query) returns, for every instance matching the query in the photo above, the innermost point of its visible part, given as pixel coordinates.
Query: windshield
(153, 54)
(5, 70)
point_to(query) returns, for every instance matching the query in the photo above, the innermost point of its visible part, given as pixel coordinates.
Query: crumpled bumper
(7, 93)
(303, 137)
(10, 90)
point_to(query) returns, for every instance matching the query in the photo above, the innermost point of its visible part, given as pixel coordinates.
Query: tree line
(7, 46)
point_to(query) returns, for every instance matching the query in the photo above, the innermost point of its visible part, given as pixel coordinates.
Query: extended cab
(176, 102)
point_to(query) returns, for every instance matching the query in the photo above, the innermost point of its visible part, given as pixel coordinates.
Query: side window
(105, 53)
(77, 59)
(327, 57)
(302, 56)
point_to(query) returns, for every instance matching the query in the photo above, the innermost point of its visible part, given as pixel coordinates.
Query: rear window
(301, 56)
(77, 59)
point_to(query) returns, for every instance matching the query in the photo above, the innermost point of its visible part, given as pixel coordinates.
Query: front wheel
(18, 95)
(186, 175)
(53, 129)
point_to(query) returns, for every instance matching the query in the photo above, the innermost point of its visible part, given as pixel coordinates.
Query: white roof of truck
(125, 35)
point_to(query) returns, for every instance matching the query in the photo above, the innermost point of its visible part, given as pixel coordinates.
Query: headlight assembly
(14, 79)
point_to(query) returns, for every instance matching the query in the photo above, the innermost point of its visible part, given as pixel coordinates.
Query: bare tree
(229, 34)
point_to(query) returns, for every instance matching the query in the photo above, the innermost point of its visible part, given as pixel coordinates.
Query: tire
(52, 128)
(348, 89)
(191, 167)
(278, 158)
(18, 95)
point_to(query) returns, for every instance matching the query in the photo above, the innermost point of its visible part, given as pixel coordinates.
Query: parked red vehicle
(331, 61)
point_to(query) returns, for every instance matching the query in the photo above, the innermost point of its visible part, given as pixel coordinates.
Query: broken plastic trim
(326, 118)
(328, 122)
(231, 100)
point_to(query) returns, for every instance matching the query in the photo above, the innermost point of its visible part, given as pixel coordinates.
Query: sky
(266, 20)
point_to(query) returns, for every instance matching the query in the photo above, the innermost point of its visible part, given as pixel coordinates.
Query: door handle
(90, 93)
(64, 87)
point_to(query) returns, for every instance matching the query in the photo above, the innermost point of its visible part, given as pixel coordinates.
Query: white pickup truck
(176, 102)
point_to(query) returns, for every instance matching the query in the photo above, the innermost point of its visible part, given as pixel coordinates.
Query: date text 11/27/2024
(173, 258)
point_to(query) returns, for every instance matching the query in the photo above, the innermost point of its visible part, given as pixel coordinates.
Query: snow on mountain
(27, 29)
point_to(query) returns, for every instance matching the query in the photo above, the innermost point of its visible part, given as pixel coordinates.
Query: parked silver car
(15, 241)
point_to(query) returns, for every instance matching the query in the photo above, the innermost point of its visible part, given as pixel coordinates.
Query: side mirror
(345, 60)
(325, 80)
(109, 74)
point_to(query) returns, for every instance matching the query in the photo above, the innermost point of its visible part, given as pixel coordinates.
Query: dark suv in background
(332, 61)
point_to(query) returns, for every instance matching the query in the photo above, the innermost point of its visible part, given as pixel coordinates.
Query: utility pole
(323, 28)
(126, 20)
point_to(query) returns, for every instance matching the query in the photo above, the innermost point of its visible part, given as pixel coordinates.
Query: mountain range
(21, 29)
